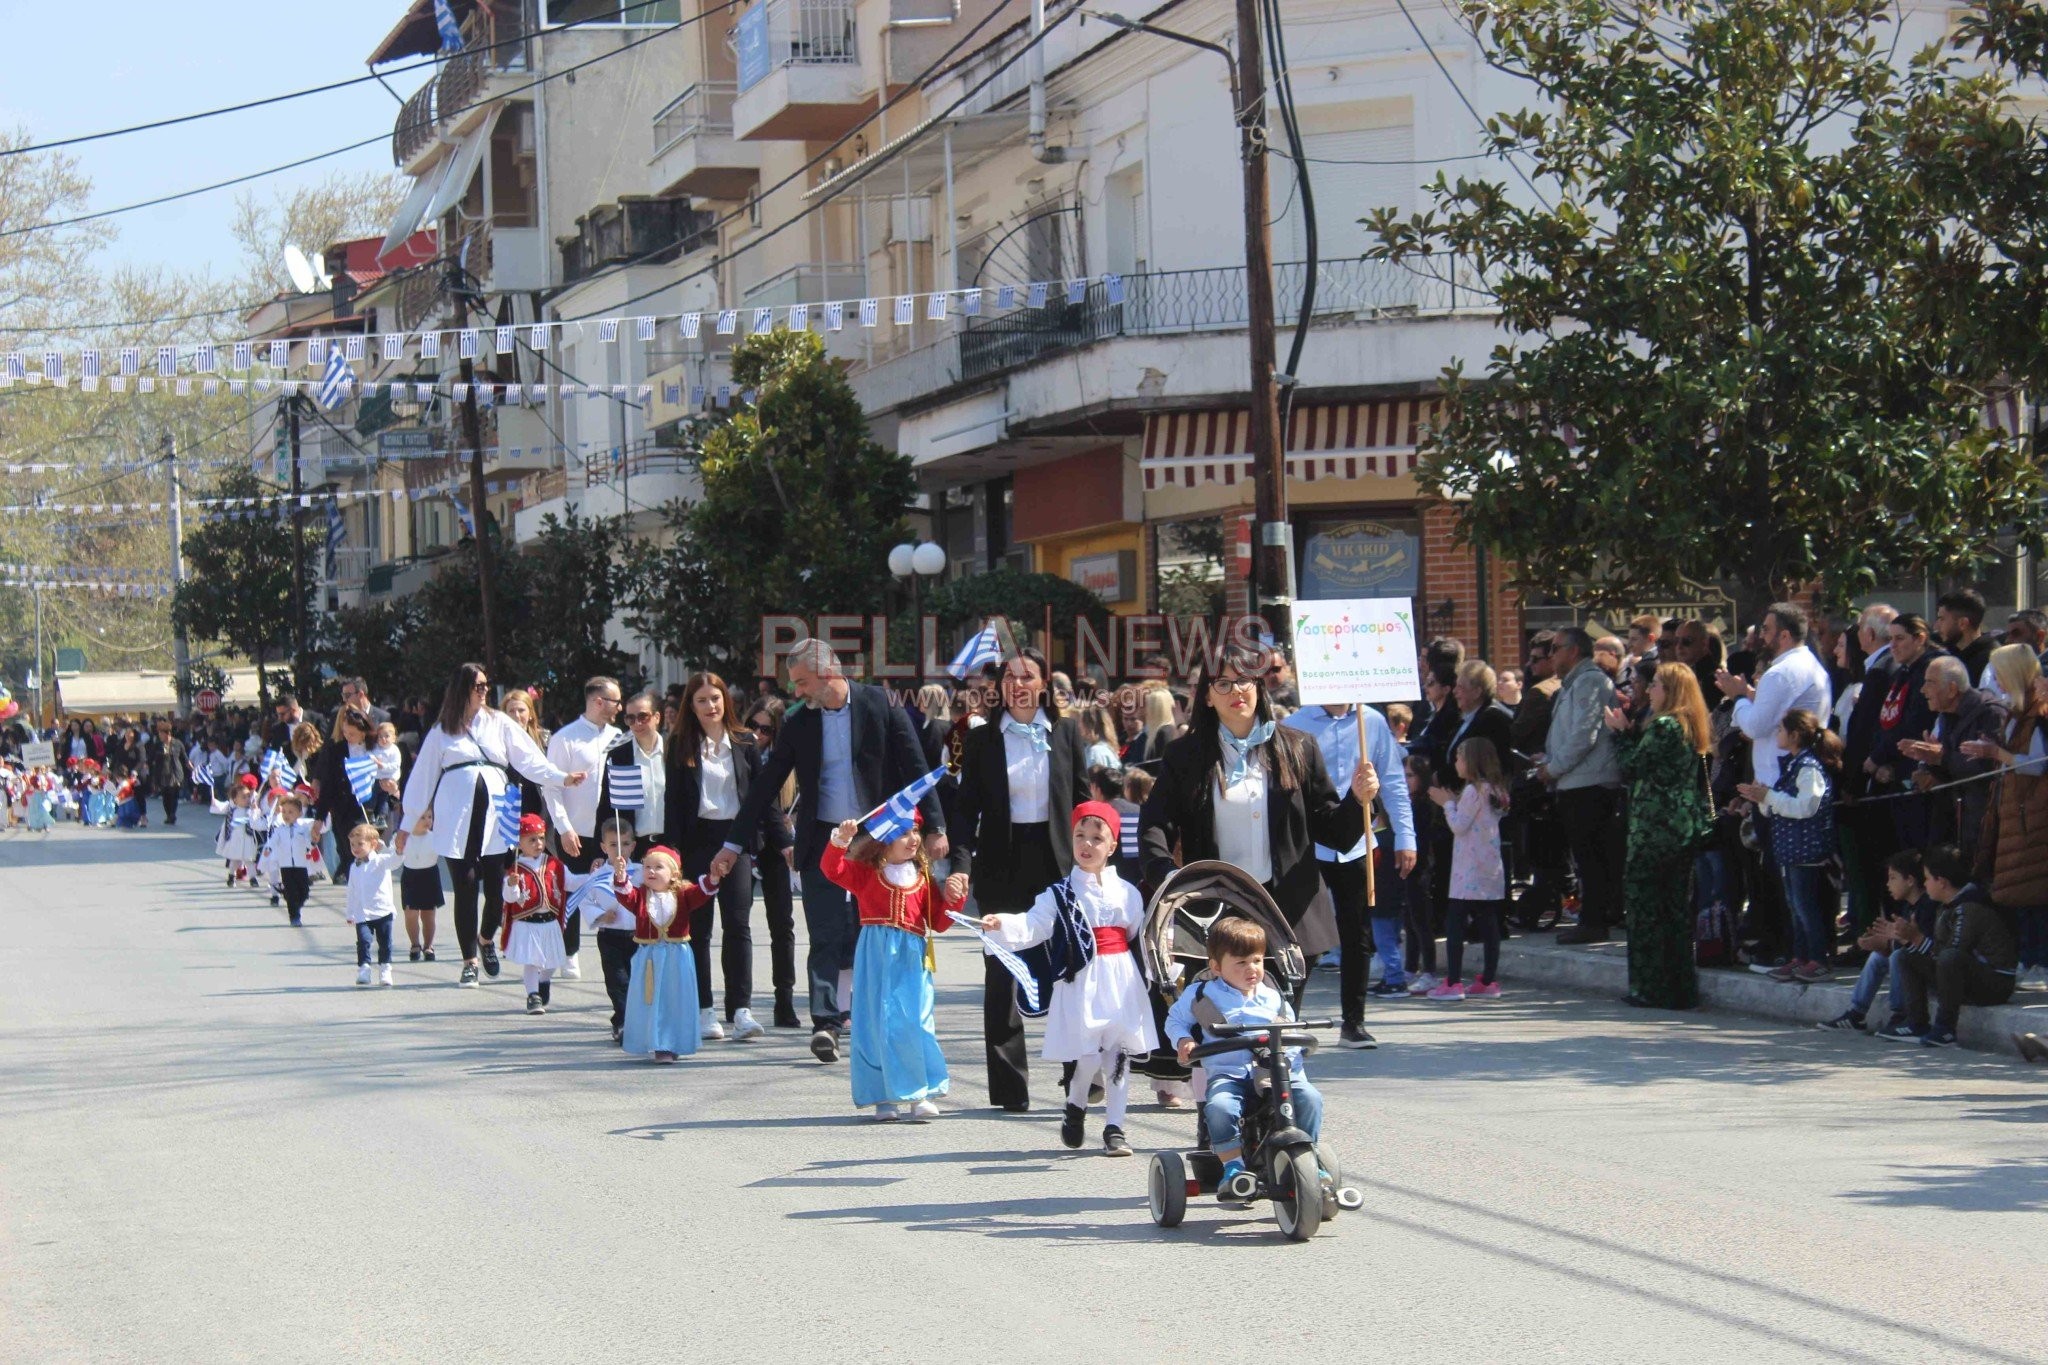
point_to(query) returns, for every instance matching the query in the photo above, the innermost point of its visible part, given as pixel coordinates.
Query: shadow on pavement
(2004, 1187)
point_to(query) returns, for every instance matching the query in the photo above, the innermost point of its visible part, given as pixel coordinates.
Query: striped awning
(1327, 441)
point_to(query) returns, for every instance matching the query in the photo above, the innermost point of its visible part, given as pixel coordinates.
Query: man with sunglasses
(591, 743)
(645, 749)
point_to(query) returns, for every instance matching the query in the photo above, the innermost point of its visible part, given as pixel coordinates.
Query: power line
(357, 146)
(1463, 99)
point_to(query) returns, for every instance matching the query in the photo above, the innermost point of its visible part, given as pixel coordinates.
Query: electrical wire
(1283, 89)
(1465, 100)
(369, 141)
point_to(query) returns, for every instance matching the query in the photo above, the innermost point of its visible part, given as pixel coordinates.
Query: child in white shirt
(419, 886)
(290, 853)
(370, 904)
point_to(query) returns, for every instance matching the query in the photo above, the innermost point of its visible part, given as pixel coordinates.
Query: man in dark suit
(851, 750)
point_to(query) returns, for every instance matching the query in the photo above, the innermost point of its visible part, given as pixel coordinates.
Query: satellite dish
(301, 270)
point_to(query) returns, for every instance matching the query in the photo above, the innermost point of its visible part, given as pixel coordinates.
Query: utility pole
(472, 431)
(181, 644)
(1272, 548)
(300, 669)
(42, 686)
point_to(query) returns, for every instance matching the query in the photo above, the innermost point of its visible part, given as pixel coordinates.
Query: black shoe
(231, 879)
(468, 975)
(619, 1034)
(1848, 1020)
(825, 1045)
(547, 997)
(426, 954)
(490, 957)
(297, 923)
(1636, 1000)
(276, 899)
(785, 1015)
(534, 1004)
(1074, 1127)
(414, 955)
(1584, 933)
(1355, 1037)
(1113, 1142)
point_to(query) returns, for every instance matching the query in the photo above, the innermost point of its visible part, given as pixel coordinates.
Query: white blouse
(479, 754)
(718, 794)
(1241, 834)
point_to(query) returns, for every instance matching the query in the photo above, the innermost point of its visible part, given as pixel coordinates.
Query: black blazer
(336, 805)
(1181, 811)
(1492, 721)
(683, 791)
(981, 808)
(887, 757)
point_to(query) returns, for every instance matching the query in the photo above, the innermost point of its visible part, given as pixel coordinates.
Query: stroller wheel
(1333, 1169)
(1166, 1189)
(1297, 1194)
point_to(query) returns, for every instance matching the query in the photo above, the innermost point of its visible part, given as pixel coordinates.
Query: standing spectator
(1532, 716)
(850, 750)
(290, 716)
(1670, 815)
(1642, 639)
(356, 693)
(2012, 854)
(1801, 810)
(1903, 716)
(1507, 689)
(1869, 832)
(1608, 652)
(2029, 628)
(1969, 959)
(1959, 621)
(1698, 646)
(1580, 762)
(1962, 715)
(778, 896)
(169, 767)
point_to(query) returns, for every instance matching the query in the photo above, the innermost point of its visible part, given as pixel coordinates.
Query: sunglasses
(482, 686)
(635, 717)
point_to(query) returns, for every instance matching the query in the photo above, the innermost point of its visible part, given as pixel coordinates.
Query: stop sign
(208, 701)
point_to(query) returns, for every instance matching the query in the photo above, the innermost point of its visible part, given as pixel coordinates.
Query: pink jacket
(1476, 870)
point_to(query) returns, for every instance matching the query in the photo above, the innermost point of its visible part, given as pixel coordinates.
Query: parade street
(215, 1146)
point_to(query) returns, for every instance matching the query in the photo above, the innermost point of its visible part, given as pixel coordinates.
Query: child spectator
(1479, 884)
(1902, 880)
(1801, 810)
(1400, 719)
(1969, 959)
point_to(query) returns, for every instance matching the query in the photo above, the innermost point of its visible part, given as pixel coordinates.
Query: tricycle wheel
(1167, 1189)
(1297, 1193)
(1326, 1157)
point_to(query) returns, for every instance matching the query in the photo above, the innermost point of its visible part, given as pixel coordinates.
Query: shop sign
(1112, 575)
(1360, 559)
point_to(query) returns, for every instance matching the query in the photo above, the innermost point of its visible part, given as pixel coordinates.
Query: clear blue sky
(78, 70)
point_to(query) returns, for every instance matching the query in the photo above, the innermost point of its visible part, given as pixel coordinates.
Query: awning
(1375, 439)
(111, 694)
(923, 150)
(413, 211)
(462, 165)
(416, 35)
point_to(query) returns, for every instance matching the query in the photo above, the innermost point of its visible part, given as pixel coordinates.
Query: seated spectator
(1969, 959)
(1903, 883)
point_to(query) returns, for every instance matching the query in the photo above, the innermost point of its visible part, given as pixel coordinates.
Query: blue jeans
(1710, 879)
(1223, 1111)
(1386, 946)
(377, 932)
(833, 924)
(1812, 939)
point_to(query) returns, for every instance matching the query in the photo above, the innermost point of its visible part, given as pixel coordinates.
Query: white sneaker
(384, 975)
(924, 1109)
(708, 1026)
(745, 1026)
(885, 1113)
(363, 975)
(572, 970)
(1421, 984)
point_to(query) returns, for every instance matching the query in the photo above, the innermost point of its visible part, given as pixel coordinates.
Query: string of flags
(332, 393)
(182, 366)
(107, 581)
(268, 503)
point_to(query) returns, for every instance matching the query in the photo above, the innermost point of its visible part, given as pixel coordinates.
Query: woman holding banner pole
(1021, 776)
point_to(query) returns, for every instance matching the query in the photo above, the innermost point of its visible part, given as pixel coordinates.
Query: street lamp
(917, 562)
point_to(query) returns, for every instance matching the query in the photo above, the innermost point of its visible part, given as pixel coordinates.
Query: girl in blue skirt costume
(895, 1053)
(661, 1003)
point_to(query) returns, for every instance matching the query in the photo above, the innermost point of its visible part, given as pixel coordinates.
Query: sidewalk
(1602, 969)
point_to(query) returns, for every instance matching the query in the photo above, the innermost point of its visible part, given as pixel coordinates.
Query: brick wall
(1450, 573)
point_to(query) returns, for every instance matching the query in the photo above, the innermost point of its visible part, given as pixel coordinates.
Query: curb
(1602, 969)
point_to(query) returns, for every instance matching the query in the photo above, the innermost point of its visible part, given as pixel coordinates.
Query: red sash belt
(1109, 939)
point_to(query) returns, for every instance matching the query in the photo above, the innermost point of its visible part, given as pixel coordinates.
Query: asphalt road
(215, 1147)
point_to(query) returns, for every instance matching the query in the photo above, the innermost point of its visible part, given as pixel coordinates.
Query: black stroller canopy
(1189, 902)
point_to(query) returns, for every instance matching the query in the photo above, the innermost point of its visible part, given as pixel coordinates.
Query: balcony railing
(704, 108)
(634, 461)
(807, 284)
(637, 230)
(778, 33)
(415, 127)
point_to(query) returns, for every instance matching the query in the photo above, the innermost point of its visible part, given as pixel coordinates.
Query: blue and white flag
(508, 814)
(337, 536)
(278, 769)
(337, 386)
(895, 817)
(451, 32)
(1027, 983)
(362, 776)
(984, 648)
(468, 521)
(586, 889)
(628, 788)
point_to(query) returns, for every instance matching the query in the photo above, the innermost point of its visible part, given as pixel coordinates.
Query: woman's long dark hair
(455, 701)
(770, 707)
(1047, 702)
(1283, 763)
(686, 736)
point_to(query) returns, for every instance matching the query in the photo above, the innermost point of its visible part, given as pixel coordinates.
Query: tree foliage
(239, 591)
(1741, 332)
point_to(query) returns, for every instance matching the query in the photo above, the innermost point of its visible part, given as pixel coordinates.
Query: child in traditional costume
(40, 786)
(129, 812)
(290, 853)
(661, 1000)
(534, 903)
(1100, 1016)
(237, 843)
(370, 902)
(895, 1057)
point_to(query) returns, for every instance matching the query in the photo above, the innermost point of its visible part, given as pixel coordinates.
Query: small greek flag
(508, 814)
(278, 770)
(451, 32)
(628, 788)
(362, 776)
(338, 384)
(1016, 966)
(984, 648)
(895, 817)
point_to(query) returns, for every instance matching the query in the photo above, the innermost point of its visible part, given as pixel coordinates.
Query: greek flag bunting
(1006, 297)
(508, 813)
(339, 381)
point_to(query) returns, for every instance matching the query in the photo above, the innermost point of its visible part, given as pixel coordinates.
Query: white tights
(1115, 1069)
(535, 975)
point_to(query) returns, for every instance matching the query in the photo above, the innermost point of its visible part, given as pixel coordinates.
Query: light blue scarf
(1031, 730)
(1238, 752)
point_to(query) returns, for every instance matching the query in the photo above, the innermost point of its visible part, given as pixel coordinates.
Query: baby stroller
(1302, 1180)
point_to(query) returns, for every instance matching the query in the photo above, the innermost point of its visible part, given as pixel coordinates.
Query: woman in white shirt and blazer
(1241, 788)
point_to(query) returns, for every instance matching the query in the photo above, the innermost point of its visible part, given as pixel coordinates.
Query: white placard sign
(1356, 650)
(39, 754)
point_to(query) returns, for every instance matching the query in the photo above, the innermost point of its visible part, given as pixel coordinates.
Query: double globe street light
(917, 562)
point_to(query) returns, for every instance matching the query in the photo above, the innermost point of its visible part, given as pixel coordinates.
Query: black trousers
(1592, 821)
(1002, 1027)
(1958, 978)
(615, 949)
(779, 904)
(1483, 918)
(170, 795)
(735, 908)
(1346, 882)
(297, 884)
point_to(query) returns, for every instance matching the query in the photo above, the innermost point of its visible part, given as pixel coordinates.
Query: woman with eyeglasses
(711, 765)
(457, 780)
(778, 894)
(1239, 788)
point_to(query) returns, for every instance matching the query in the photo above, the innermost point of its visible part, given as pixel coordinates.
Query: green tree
(238, 589)
(800, 505)
(679, 601)
(578, 579)
(1739, 338)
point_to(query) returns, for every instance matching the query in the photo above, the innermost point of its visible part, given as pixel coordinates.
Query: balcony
(695, 152)
(640, 230)
(800, 76)
(635, 482)
(416, 127)
(494, 59)
(813, 284)
(505, 255)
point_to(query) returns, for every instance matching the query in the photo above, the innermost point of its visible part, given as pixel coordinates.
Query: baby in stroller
(1237, 995)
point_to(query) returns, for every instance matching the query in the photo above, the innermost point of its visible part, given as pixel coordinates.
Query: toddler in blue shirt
(1238, 990)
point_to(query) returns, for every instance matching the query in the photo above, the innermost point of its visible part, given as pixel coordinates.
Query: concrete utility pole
(1272, 547)
(301, 664)
(181, 644)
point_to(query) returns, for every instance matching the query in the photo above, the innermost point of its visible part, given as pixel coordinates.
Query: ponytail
(1808, 734)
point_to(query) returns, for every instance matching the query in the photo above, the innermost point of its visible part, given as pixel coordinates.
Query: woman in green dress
(1669, 815)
